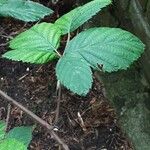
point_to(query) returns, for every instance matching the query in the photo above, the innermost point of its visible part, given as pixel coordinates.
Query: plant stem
(57, 53)
(58, 95)
(68, 39)
(36, 118)
(58, 89)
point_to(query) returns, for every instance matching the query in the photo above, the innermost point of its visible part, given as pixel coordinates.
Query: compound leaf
(22, 134)
(36, 45)
(2, 129)
(12, 144)
(74, 73)
(23, 10)
(113, 48)
(75, 18)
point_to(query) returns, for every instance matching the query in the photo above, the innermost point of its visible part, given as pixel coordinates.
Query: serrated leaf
(2, 129)
(23, 10)
(75, 18)
(12, 144)
(36, 45)
(74, 73)
(38, 57)
(21, 134)
(113, 48)
(43, 36)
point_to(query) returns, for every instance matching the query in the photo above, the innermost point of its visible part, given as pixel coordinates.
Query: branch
(8, 116)
(36, 118)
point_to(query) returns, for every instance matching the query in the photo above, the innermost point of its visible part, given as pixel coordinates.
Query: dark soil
(34, 87)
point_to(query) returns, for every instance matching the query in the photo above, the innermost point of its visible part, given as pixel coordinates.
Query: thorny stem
(36, 118)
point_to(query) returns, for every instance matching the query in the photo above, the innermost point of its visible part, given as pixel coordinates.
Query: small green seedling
(17, 138)
(112, 48)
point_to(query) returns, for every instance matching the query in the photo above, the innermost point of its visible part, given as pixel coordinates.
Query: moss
(131, 100)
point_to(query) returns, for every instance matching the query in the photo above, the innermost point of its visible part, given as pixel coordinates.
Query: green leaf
(38, 57)
(74, 73)
(23, 10)
(113, 48)
(36, 45)
(2, 129)
(12, 144)
(2, 2)
(75, 18)
(21, 134)
(43, 36)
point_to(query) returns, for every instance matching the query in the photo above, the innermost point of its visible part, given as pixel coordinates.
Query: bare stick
(3, 44)
(81, 122)
(36, 118)
(58, 95)
(8, 116)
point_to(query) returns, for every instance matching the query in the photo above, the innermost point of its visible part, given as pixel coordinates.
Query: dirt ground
(34, 87)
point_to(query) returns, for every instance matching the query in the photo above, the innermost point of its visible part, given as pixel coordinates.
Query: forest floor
(34, 86)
